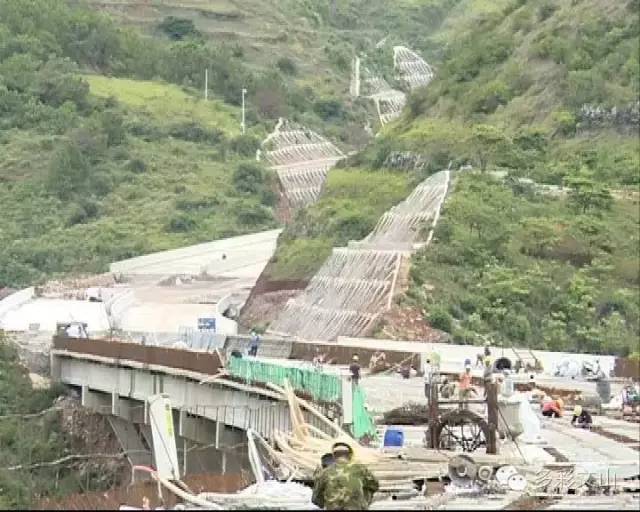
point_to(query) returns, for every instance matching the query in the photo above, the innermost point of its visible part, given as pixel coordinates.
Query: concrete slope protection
(356, 283)
(389, 101)
(301, 158)
(410, 68)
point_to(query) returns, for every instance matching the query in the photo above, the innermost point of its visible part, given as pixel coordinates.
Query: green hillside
(516, 85)
(108, 149)
(509, 262)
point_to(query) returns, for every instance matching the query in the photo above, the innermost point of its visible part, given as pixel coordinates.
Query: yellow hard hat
(577, 410)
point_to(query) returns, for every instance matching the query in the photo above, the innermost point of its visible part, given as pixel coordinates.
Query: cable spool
(484, 473)
(462, 470)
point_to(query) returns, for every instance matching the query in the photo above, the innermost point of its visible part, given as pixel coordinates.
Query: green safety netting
(363, 423)
(321, 386)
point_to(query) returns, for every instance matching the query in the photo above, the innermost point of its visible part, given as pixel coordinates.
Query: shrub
(82, 212)
(194, 132)
(249, 178)
(491, 96)
(68, 171)
(136, 165)
(178, 28)
(546, 9)
(245, 145)
(181, 223)
(287, 66)
(439, 318)
(329, 109)
(252, 214)
(564, 123)
(112, 125)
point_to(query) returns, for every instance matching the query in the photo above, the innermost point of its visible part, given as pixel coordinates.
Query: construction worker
(447, 389)
(553, 408)
(325, 461)
(581, 417)
(427, 371)
(345, 485)
(318, 359)
(354, 368)
(630, 398)
(481, 358)
(488, 373)
(254, 343)
(465, 387)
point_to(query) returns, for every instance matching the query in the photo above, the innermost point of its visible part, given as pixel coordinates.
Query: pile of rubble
(77, 288)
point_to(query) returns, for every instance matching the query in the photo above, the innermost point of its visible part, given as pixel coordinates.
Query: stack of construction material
(301, 449)
(409, 414)
(268, 495)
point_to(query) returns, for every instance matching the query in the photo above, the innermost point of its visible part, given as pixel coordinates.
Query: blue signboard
(207, 324)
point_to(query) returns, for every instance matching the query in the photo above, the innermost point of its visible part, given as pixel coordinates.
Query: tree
(538, 235)
(249, 178)
(586, 194)
(487, 142)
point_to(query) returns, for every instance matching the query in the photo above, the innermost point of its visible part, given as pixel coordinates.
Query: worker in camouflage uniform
(344, 485)
(325, 461)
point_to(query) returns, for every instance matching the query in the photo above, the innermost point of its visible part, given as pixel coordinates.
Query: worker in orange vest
(553, 408)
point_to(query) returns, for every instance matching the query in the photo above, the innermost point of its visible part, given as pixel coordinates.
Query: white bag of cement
(568, 368)
(529, 421)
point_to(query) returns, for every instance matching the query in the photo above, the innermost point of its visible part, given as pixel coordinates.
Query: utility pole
(244, 91)
(206, 84)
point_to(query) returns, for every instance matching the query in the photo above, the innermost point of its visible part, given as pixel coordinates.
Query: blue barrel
(393, 437)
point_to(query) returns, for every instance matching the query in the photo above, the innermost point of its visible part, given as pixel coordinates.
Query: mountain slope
(107, 152)
(547, 91)
(539, 90)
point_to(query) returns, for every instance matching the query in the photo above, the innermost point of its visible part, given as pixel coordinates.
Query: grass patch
(352, 203)
(167, 102)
